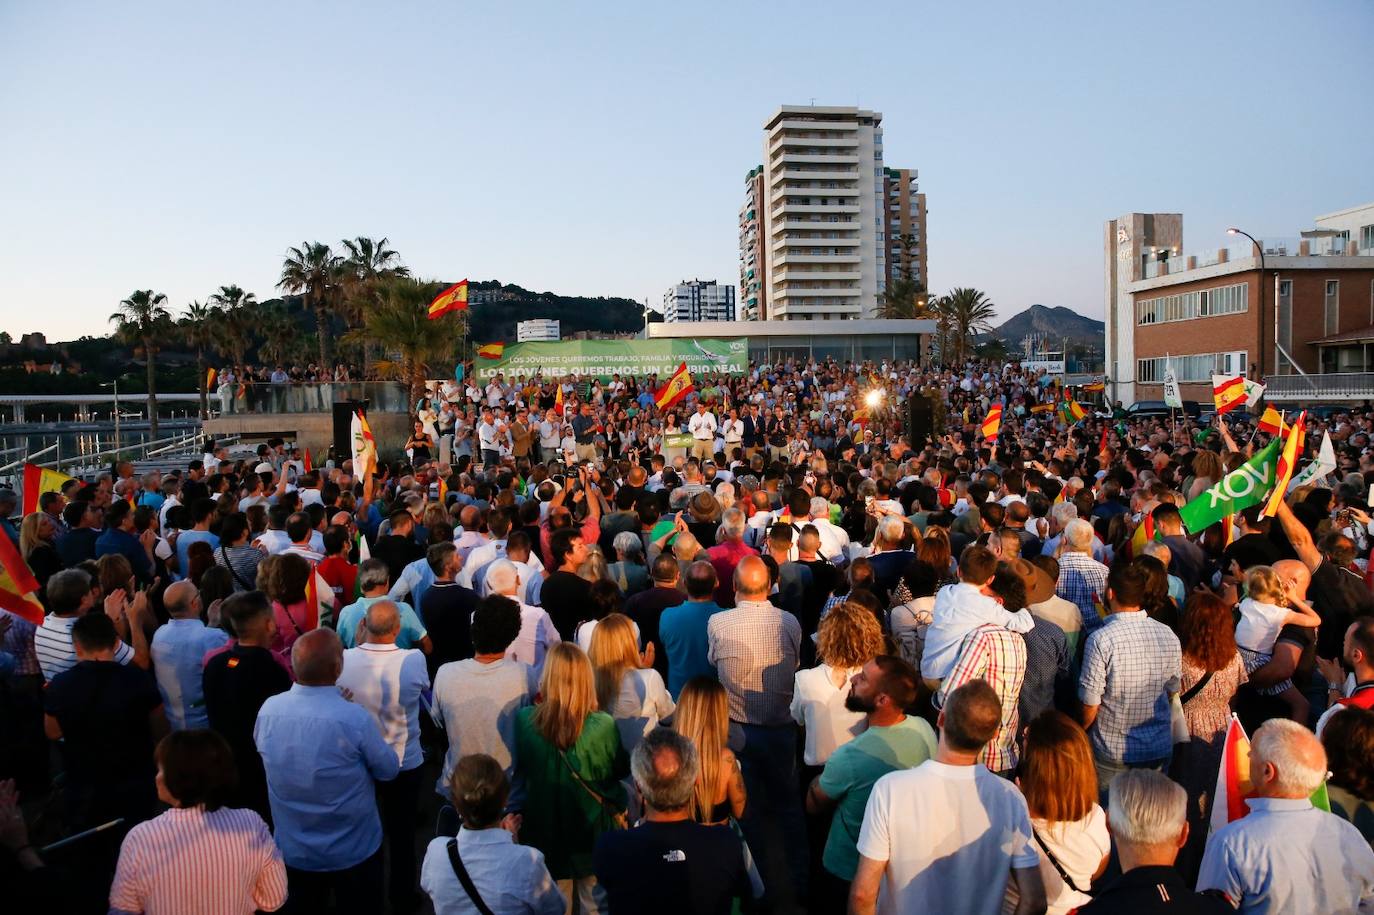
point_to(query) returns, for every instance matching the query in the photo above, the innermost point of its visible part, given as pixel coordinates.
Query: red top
(341, 576)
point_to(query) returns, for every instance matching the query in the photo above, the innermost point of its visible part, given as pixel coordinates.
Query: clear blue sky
(598, 148)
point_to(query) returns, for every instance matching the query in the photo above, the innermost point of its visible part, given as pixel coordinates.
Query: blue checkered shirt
(1081, 580)
(1130, 665)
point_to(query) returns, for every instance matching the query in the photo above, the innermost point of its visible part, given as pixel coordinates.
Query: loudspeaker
(343, 426)
(920, 422)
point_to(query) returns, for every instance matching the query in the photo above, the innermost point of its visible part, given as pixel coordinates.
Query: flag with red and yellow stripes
(678, 387)
(454, 298)
(1288, 461)
(1271, 421)
(1228, 393)
(18, 587)
(491, 350)
(38, 480)
(992, 423)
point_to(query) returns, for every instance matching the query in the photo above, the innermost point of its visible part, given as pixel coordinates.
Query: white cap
(264, 467)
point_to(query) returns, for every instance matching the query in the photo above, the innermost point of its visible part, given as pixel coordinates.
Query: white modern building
(699, 300)
(823, 195)
(536, 329)
(753, 259)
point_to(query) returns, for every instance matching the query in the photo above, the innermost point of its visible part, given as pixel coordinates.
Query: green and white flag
(1172, 398)
(1249, 484)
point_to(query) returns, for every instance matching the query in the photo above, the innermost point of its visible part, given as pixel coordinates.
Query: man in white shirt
(733, 432)
(702, 425)
(948, 835)
(489, 434)
(550, 436)
(834, 539)
(537, 632)
(387, 681)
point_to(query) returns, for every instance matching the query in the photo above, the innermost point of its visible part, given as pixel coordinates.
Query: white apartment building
(699, 300)
(536, 329)
(753, 260)
(823, 186)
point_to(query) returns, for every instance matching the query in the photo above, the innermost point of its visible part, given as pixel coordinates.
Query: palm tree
(235, 318)
(142, 318)
(197, 330)
(905, 298)
(399, 323)
(313, 271)
(279, 334)
(367, 264)
(969, 313)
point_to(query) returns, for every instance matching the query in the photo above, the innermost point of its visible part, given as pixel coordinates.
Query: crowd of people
(542, 659)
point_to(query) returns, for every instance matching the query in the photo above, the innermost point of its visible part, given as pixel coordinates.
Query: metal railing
(1304, 389)
(308, 398)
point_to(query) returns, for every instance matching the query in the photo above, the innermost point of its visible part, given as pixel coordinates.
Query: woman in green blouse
(569, 756)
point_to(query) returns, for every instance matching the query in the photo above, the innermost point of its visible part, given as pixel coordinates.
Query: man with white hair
(537, 631)
(729, 550)
(1082, 579)
(834, 539)
(1061, 513)
(1148, 821)
(1286, 855)
(387, 681)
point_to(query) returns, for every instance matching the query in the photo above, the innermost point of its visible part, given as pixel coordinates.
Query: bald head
(1295, 572)
(751, 579)
(317, 658)
(470, 517)
(180, 599)
(383, 622)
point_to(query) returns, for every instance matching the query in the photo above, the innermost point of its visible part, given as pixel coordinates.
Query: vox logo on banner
(1247, 485)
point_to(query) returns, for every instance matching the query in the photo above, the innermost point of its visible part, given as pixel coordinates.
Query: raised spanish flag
(38, 480)
(992, 423)
(1288, 461)
(558, 399)
(306, 463)
(18, 587)
(210, 376)
(1144, 533)
(1271, 421)
(1228, 393)
(491, 350)
(1096, 387)
(678, 387)
(454, 298)
(1233, 777)
(1042, 408)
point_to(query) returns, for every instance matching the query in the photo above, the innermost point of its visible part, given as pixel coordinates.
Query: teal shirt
(849, 776)
(412, 630)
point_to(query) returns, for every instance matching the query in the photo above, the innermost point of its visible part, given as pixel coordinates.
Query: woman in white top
(627, 686)
(849, 637)
(1060, 784)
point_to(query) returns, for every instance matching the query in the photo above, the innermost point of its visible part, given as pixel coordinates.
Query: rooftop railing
(260, 397)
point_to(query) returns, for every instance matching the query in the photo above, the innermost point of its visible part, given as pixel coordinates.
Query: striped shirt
(52, 642)
(755, 648)
(242, 561)
(997, 656)
(187, 860)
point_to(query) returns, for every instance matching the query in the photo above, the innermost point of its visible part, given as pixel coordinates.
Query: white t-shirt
(818, 706)
(950, 836)
(387, 681)
(1078, 847)
(702, 426)
(1259, 625)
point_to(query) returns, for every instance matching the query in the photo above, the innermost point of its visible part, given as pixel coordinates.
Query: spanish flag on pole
(38, 480)
(558, 399)
(454, 298)
(210, 376)
(491, 350)
(992, 422)
(678, 387)
(1271, 422)
(1288, 461)
(18, 587)
(1228, 393)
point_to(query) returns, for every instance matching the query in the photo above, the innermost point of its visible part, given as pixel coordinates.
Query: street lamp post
(1260, 248)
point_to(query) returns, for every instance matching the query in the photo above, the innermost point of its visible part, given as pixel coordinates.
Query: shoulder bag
(466, 879)
(620, 819)
(1049, 855)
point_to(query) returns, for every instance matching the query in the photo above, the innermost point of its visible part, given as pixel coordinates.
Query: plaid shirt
(18, 641)
(1130, 665)
(1081, 580)
(755, 648)
(998, 656)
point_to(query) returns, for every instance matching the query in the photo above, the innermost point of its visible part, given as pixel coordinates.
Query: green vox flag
(1247, 485)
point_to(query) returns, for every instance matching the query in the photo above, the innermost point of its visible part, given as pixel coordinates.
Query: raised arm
(1300, 537)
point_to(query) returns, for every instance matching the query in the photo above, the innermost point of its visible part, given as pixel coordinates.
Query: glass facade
(841, 347)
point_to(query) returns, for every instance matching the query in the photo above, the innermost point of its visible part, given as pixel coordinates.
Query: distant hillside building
(536, 329)
(1215, 312)
(699, 300)
(904, 218)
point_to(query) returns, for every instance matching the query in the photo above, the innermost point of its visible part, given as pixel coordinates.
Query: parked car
(1150, 408)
